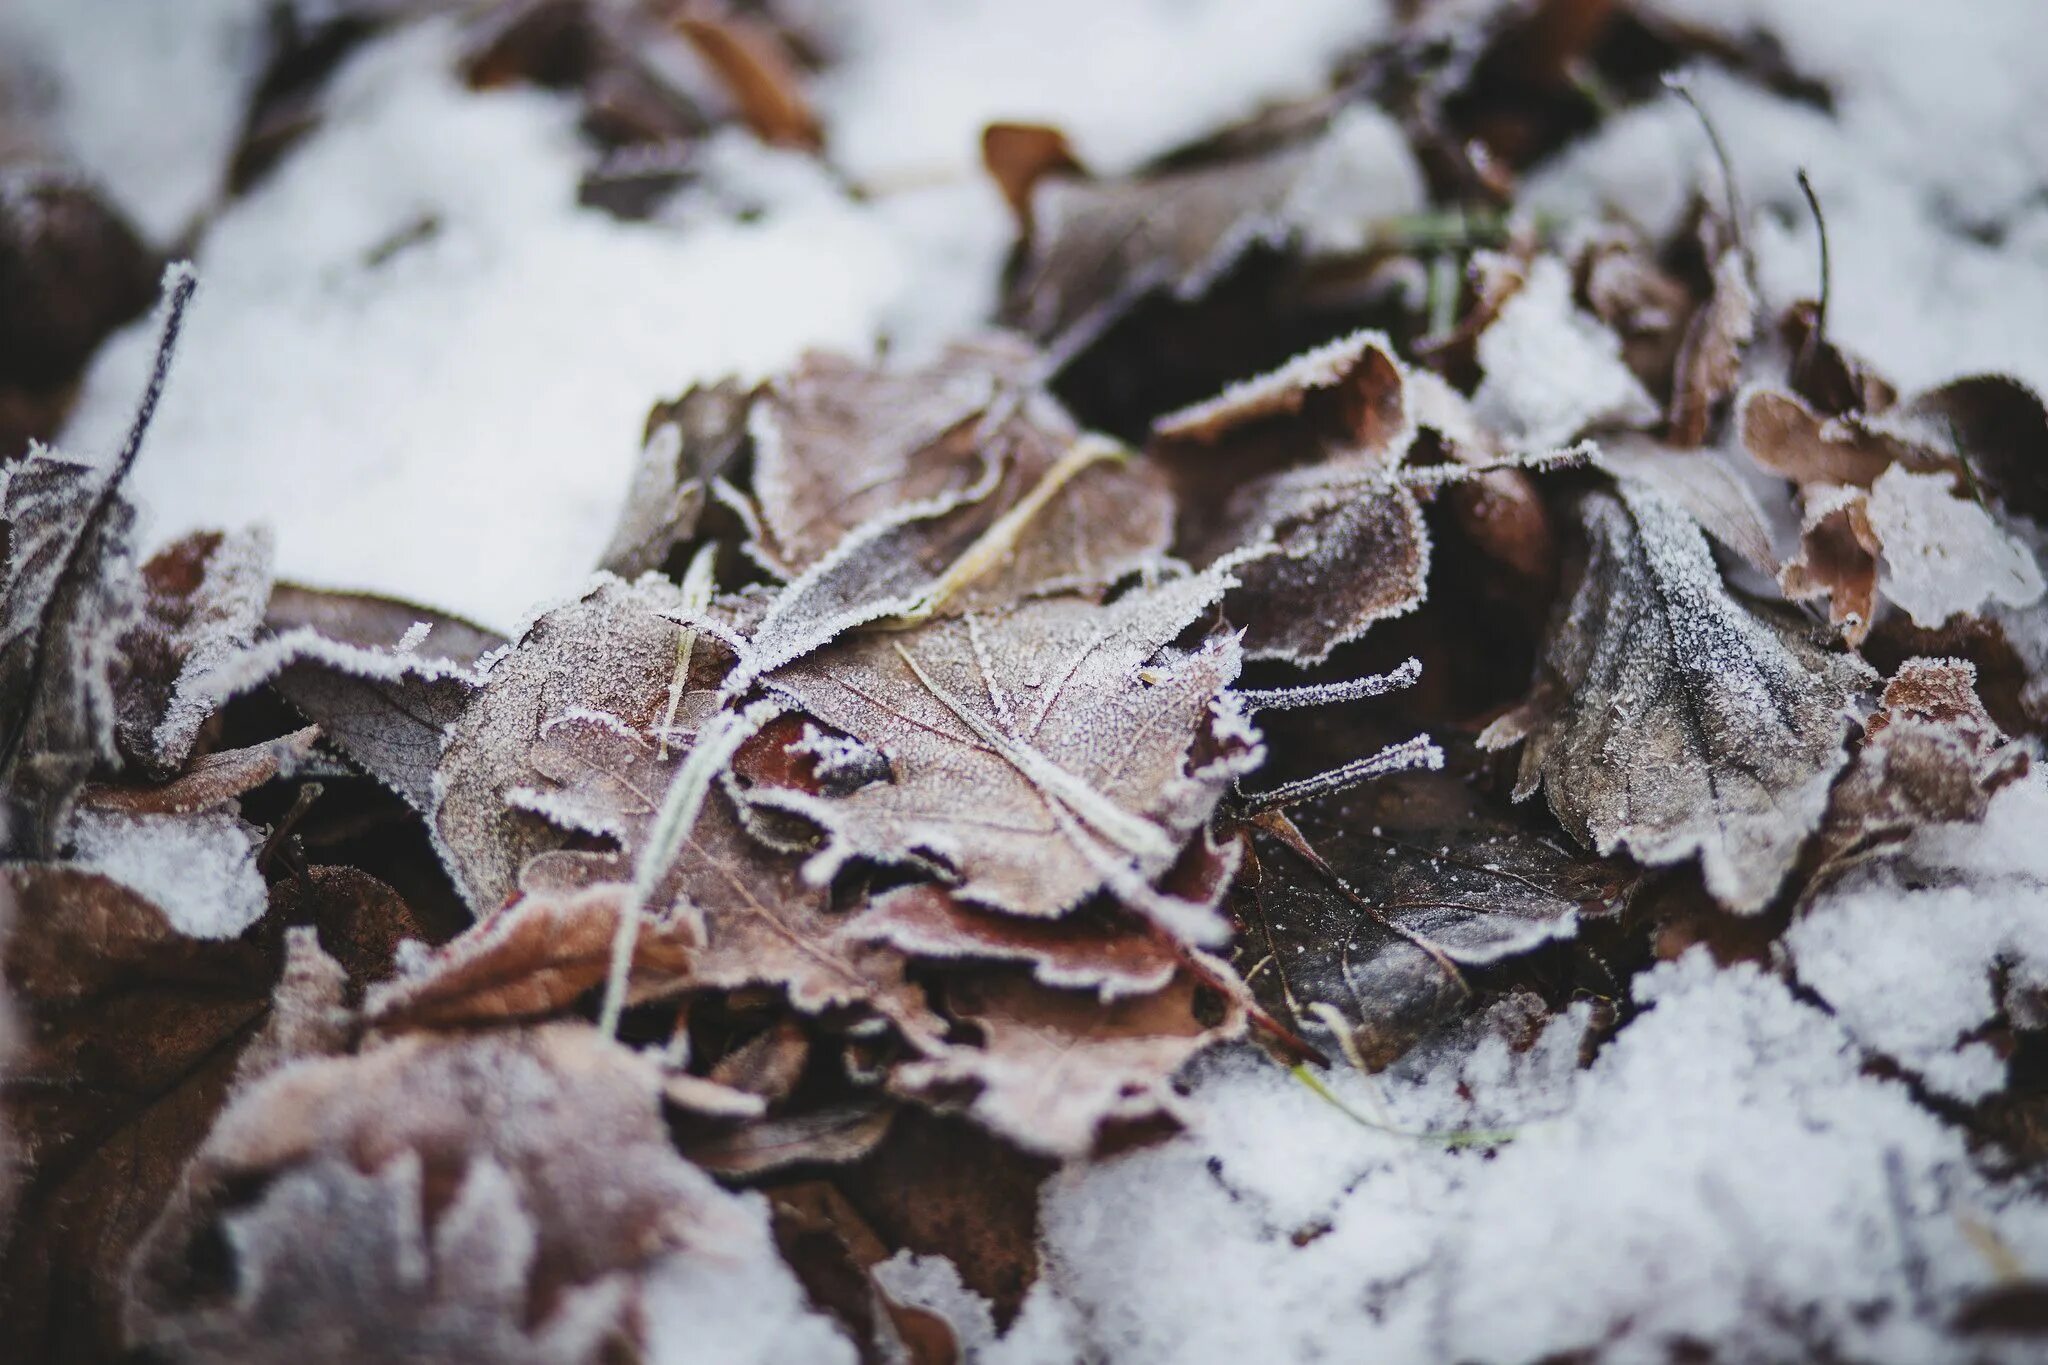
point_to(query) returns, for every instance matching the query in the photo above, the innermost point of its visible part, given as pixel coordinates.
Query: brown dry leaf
(1837, 559)
(209, 781)
(1790, 438)
(1018, 156)
(1707, 484)
(610, 652)
(369, 621)
(131, 1037)
(748, 1150)
(1709, 362)
(500, 1196)
(1099, 246)
(1035, 755)
(1300, 459)
(690, 442)
(1095, 948)
(1064, 1073)
(530, 959)
(752, 61)
(1931, 754)
(1669, 719)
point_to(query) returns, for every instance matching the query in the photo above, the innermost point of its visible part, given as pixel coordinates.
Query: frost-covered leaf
(742, 913)
(610, 652)
(199, 868)
(202, 601)
(1788, 437)
(512, 1195)
(386, 709)
(1095, 948)
(1097, 247)
(369, 621)
(1930, 755)
(1299, 459)
(955, 485)
(1062, 1072)
(1707, 484)
(1671, 720)
(1035, 755)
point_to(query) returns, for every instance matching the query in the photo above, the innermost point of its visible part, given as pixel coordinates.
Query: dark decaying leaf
(497, 1196)
(1359, 919)
(134, 1034)
(1035, 754)
(1097, 247)
(1670, 719)
(67, 593)
(834, 1252)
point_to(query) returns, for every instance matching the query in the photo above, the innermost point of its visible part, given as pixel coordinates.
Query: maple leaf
(1036, 755)
(1670, 719)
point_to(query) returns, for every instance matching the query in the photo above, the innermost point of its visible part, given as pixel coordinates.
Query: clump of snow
(199, 869)
(1944, 554)
(737, 1303)
(1724, 1172)
(427, 368)
(1920, 950)
(919, 79)
(1551, 369)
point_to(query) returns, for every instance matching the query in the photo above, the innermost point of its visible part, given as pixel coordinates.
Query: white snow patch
(1723, 1172)
(1944, 554)
(1553, 370)
(919, 79)
(738, 1305)
(148, 96)
(417, 359)
(198, 868)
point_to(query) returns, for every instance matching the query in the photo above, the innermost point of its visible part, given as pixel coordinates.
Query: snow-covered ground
(451, 413)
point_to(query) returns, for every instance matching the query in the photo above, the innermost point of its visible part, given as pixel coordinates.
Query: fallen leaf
(1099, 246)
(1064, 1073)
(1035, 755)
(507, 1195)
(1670, 719)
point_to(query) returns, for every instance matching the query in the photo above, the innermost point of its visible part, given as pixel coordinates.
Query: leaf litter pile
(1366, 751)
